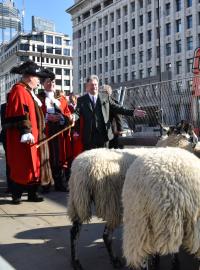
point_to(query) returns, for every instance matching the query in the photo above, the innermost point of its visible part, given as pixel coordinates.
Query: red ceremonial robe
(22, 158)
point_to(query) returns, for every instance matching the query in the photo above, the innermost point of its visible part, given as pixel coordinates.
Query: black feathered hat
(30, 68)
(49, 74)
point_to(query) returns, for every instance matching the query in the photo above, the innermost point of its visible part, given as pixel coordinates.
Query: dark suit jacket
(84, 109)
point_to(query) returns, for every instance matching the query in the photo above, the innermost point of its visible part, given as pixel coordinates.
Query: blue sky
(51, 10)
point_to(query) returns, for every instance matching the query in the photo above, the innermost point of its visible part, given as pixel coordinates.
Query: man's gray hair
(92, 77)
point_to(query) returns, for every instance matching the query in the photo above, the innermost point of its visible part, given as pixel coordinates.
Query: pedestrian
(116, 121)
(24, 123)
(94, 110)
(57, 117)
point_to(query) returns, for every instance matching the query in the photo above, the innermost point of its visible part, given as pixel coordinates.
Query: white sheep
(97, 177)
(161, 204)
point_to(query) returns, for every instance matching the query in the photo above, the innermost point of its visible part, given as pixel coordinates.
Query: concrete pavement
(36, 235)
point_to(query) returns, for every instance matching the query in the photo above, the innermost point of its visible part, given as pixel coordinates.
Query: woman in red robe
(24, 123)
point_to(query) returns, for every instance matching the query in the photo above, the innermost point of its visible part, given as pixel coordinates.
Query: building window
(58, 82)
(119, 46)
(106, 51)
(118, 78)
(149, 72)
(189, 65)
(119, 29)
(149, 54)
(58, 71)
(189, 3)
(178, 5)
(141, 38)
(125, 27)
(168, 29)
(168, 49)
(66, 52)
(178, 67)
(49, 39)
(112, 48)
(133, 41)
(178, 25)
(149, 17)
(167, 9)
(125, 10)
(106, 66)
(118, 13)
(100, 23)
(168, 67)
(140, 3)
(149, 35)
(133, 75)
(66, 72)
(125, 60)
(133, 58)
(141, 20)
(133, 6)
(118, 62)
(189, 21)
(126, 44)
(133, 23)
(58, 40)
(66, 82)
(111, 17)
(112, 32)
(100, 52)
(112, 65)
(141, 56)
(189, 42)
(178, 46)
(141, 73)
(125, 77)
(58, 51)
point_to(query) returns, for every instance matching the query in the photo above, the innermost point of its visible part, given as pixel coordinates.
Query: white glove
(27, 138)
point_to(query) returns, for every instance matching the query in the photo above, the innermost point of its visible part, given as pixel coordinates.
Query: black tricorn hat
(48, 74)
(30, 68)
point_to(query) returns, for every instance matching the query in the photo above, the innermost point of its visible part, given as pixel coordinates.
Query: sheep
(161, 205)
(97, 176)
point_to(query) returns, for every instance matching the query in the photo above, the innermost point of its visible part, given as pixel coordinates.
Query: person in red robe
(57, 117)
(24, 123)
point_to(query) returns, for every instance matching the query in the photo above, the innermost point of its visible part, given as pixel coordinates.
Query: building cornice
(72, 10)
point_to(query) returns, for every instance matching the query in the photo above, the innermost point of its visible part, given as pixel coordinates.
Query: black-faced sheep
(161, 203)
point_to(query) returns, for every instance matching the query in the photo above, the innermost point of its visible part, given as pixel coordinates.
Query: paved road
(36, 235)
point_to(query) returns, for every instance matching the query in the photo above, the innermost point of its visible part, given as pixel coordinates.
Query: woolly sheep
(97, 176)
(161, 204)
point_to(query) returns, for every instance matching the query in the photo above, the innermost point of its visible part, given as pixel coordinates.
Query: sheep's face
(182, 135)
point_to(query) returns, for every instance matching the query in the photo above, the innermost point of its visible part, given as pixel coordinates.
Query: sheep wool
(97, 176)
(161, 203)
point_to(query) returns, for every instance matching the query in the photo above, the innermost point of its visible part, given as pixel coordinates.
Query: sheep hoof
(76, 265)
(118, 262)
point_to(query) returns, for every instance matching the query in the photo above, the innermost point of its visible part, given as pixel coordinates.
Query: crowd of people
(42, 133)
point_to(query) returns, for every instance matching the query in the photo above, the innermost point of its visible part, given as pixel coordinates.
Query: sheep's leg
(107, 237)
(152, 262)
(175, 262)
(74, 235)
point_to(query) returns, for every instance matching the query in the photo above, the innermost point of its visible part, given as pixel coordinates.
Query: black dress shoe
(35, 198)
(16, 200)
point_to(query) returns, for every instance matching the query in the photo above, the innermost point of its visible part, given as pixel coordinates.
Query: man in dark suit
(94, 108)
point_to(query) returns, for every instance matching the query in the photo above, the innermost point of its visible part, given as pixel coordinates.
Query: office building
(129, 42)
(48, 49)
